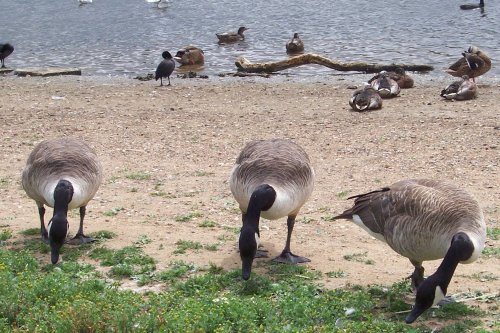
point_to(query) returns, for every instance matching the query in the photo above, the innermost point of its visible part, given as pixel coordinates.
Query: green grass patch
(138, 176)
(342, 194)
(491, 251)
(183, 246)
(103, 234)
(187, 217)
(130, 261)
(113, 211)
(30, 232)
(493, 233)
(359, 257)
(207, 224)
(336, 274)
(5, 234)
(71, 297)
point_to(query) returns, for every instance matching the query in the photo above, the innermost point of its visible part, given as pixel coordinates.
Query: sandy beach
(167, 153)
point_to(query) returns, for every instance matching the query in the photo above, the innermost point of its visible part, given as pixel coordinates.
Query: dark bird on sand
(5, 50)
(165, 68)
(460, 90)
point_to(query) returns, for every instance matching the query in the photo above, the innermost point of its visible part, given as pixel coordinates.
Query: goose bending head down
(474, 63)
(423, 220)
(461, 90)
(385, 85)
(272, 179)
(64, 174)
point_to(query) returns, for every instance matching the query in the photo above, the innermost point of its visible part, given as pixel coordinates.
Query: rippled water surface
(127, 37)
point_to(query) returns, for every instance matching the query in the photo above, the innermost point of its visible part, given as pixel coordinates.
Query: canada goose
(272, 179)
(65, 174)
(295, 45)
(190, 55)
(460, 90)
(5, 50)
(474, 63)
(423, 220)
(473, 5)
(365, 99)
(165, 68)
(399, 75)
(231, 37)
(386, 87)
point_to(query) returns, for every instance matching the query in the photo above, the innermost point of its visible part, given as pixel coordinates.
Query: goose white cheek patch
(257, 240)
(438, 295)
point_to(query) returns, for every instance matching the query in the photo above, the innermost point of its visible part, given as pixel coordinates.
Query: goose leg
(286, 255)
(80, 238)
(417, 276)
(43, 230)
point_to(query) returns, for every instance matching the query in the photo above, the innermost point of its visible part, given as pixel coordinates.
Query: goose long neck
(461, 249)
(63, 193)
(262, 198)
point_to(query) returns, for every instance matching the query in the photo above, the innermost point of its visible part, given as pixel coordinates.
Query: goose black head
(248, 244)
(429, 293)
(57, 230)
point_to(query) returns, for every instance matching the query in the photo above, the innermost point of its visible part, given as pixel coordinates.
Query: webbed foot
(287, 257)
(80, 239)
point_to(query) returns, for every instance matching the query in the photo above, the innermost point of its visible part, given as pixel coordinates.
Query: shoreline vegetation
(167, 226)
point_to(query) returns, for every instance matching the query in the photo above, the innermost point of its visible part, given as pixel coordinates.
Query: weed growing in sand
(200, 173)
(5, 234)
(187, 217)
(207, 224)
(183, 246)
(113, 211)
(138, 176)
(234, 230)
(4, 182)
(359, 257)
(491, 251)
(30, 232)
(336, 274)
(305, 220)
(493, 233)
(342, 194)
(72, 297)
(211, 247)
(484, 276)
(103, 234)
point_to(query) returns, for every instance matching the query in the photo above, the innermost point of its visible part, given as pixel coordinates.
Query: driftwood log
(245, 65)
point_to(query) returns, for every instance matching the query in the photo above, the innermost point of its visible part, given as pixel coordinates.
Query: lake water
(127, 37)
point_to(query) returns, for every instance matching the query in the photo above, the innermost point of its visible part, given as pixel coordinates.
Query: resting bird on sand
(474, 63)
(295, 45)
(190, 55)
(365, 99)
(399, 75)
(386, 87)
(272, 179)
(423, 220)
(165, 68)
(460, 90)
(65, 174)
(5, 50)
(231, 37)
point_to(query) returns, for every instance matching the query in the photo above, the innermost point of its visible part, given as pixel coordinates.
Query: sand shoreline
(168, 152)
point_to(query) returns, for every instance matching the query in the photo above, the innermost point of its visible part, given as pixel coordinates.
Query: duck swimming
(473, 5)
(295, 45)
(232, 37)
(190, 55)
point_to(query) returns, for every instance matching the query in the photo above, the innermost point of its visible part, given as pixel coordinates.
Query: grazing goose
(386, 87)
(399, 75)
(272, 179)
(231, 37)
(365, 99)
(295, 45)
(460, 90)
(65, 174)
(423, 220)
(5, 50)
(190, 55)
(165, 68)
(474, 63)
(473, 5)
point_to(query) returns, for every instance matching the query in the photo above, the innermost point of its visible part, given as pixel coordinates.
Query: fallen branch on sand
(245, 65)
